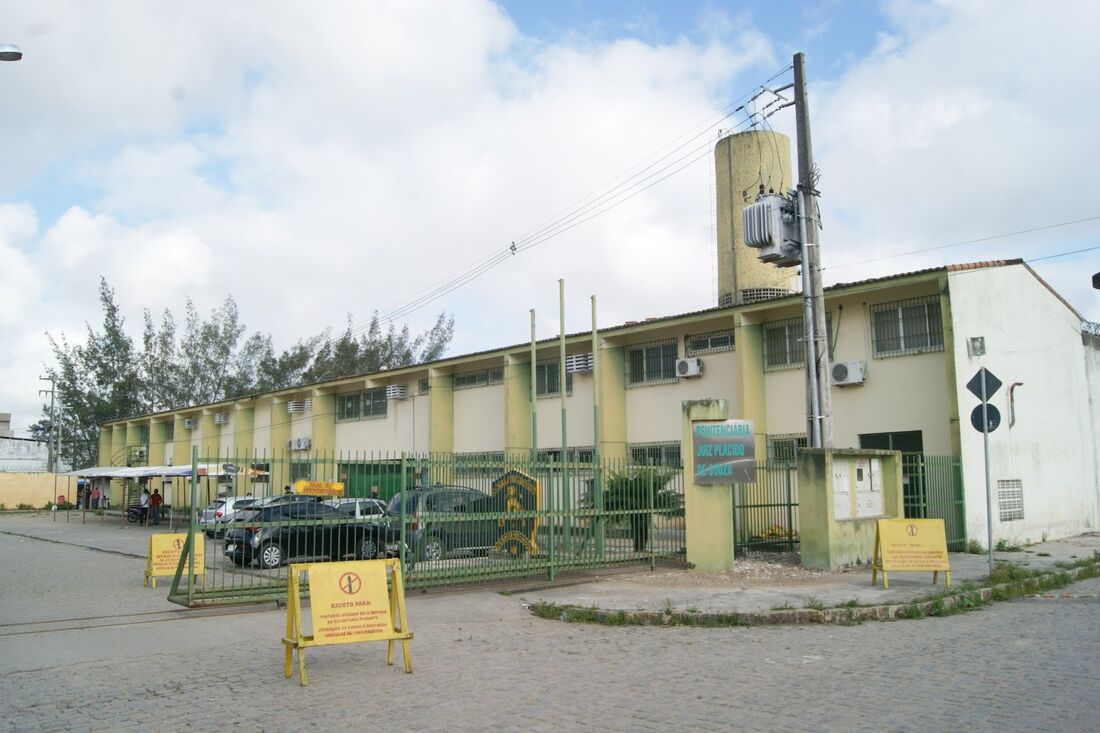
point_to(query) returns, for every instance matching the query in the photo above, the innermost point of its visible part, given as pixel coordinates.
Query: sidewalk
(764, 583)
(758, 584)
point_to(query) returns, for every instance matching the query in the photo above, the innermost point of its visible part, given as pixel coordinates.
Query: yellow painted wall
(479, 419)
(34, 488)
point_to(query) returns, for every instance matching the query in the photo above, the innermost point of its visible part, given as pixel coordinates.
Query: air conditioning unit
(299, 444)
(770, 226)
(190, 423)
(397, 392)
(847, 373)
(141, 453)
(293, 406)
(221, 418)
(578, 363)
(689, 367)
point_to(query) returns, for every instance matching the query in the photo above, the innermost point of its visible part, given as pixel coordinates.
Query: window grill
(906, 327)
(653, 363)
(1010, 499)
(709, 343)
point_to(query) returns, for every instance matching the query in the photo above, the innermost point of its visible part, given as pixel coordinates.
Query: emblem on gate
(516, 497)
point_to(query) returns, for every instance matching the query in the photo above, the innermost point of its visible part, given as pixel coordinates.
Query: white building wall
(479, 419)
(578, 416)
(900, 393)
(398, 431)
(261, 429)
(23, 456)
(1033, 338)
(654, 412)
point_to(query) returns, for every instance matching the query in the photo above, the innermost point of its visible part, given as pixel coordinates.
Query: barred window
(709, 343)
(423, 386)
(548, 379)
(575, 455)
(374, 403)
(169, 432)
(1010, 499)
(784, 343)
(479, 378)
(785, 447)
(907, 327)
(651, 363)
(656, 454)
(347, 406)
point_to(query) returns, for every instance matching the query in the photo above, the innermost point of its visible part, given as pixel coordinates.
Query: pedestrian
(105, 496)
(374, 491)
(95, 497)
(144, 500)
(154, 506)
(287, 490)
(248, 495)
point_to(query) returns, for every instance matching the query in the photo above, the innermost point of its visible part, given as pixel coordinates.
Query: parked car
(360, 507)
(433, 539)
(217, 528)
(215, 511)
(274, 533)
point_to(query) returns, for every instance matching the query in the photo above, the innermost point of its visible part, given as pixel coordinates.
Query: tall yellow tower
(742, 164)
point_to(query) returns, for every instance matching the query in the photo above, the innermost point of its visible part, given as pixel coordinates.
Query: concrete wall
(1033, 338)
(23, 456)
(479, 419)
(900, 393)
(34, 488)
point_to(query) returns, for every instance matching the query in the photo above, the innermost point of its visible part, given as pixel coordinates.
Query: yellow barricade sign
(164, 555)
(910, 545)
(355, 601)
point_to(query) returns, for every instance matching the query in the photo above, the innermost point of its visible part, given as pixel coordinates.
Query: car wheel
(367, 549)
(432, 549)
(271, 556)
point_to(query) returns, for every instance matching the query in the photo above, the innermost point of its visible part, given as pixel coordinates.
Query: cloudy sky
(316, 160)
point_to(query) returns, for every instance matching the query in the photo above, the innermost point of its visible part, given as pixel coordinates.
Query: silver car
(373, 510)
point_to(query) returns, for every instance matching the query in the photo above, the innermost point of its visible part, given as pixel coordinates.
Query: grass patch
(974, 547)
(1005, 546)
(814, 603)
(783, 607)
(1042, 554)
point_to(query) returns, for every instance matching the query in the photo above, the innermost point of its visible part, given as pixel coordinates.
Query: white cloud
(313, 161)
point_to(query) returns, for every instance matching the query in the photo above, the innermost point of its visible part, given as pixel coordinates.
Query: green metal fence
(765, 513)
(452, 519)
(933, 488)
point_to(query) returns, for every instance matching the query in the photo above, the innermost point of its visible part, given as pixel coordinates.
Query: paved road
(83, 647)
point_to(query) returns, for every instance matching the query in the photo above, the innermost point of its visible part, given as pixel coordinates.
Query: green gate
(934, 490)
(463, 519)
(765, 513)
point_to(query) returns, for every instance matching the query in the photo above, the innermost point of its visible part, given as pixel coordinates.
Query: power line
(967, 241)
(1062, 254)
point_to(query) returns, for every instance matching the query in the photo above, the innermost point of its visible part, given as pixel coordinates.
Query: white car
(360, 508)
(218, 512)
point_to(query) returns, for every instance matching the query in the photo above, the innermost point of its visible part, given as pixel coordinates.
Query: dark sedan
(273, 534)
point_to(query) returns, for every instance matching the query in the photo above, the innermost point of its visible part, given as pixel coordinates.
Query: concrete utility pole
(52, 456)
(817, 371)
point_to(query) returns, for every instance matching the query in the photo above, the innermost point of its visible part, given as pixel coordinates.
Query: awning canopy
(205, 469)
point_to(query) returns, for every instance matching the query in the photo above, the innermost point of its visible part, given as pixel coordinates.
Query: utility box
(842, 492)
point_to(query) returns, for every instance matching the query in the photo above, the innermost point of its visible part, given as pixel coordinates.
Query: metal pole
(988, 489)
(597, 454)
(809, 324)
(193, 515)
(534, 396)
(811, 253)
(567, 523)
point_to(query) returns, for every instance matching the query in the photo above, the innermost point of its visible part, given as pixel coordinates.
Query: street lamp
(9, 52)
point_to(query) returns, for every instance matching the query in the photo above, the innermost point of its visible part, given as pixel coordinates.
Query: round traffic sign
(993, 416)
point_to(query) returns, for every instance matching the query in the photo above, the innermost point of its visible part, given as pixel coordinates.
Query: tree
(634, 495)
(106, 378)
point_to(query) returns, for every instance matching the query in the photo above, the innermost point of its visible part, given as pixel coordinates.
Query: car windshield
(412, 500)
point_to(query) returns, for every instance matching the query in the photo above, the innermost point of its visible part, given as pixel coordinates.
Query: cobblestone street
(83, 647)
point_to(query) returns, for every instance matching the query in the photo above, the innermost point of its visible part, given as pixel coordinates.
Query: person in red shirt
(154, 506)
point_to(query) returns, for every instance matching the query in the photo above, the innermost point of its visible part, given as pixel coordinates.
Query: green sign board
(723, 452)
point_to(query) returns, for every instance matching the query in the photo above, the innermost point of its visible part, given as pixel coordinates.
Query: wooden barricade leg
(875, 559)
(288, 640)
(397, 601)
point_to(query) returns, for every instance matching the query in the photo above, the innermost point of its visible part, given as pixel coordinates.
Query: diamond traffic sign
(992, 384)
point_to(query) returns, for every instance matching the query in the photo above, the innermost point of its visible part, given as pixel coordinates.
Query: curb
(959, 601)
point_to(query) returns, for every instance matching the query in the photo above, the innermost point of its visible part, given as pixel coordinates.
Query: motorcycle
(133, 513)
